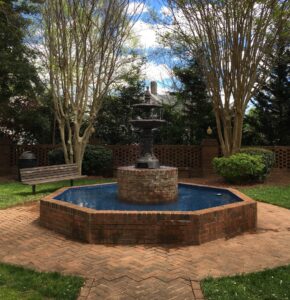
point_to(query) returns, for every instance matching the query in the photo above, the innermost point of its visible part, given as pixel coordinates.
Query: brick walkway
(143, 272)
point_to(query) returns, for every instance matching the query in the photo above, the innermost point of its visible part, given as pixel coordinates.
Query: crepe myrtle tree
(85, 47)
(233, 41)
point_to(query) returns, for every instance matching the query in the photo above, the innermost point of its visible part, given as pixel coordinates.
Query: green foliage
(268, 158)
(240, 168)
(267, 123)
(20, 283)
(268, 284)
(56, 157)
(25, 113)
(113, 121)
(174, 132)
(97, 160)
(190, 115)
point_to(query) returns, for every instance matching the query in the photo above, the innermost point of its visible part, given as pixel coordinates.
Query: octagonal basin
(94, 214)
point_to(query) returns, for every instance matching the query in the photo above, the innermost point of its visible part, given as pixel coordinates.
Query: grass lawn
(265, 285)
(12, 193)
(277, 195)
(19, 283)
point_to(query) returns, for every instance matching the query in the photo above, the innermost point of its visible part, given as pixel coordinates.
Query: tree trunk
(79, 149)
(63, 142)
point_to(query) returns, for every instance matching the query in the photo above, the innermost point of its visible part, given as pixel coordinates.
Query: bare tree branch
(84, 43)
(234, 42)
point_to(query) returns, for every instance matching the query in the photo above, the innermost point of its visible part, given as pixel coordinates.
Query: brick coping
(245, 200)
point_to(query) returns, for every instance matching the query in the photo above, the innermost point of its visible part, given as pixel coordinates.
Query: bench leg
(71, 182)
(33, 189)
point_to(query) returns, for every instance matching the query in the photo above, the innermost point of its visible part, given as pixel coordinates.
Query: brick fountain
(148, 206)
(147, 181)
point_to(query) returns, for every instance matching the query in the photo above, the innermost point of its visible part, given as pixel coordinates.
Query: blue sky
(158, 67)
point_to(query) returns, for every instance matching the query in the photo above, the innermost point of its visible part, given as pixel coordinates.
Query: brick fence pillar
(5, 152)
(209, 150)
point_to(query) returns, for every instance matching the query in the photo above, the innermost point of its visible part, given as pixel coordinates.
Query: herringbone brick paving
(143, 272)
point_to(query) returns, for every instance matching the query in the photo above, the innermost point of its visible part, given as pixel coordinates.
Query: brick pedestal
(147, 185)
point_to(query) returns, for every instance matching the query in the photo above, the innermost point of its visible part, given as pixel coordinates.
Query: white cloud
(146, 34)
(157, 72)
(147, 40)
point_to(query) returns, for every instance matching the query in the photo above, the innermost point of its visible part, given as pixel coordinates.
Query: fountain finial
(147, 95)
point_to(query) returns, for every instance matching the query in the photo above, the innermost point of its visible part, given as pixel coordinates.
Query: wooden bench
(33, 176)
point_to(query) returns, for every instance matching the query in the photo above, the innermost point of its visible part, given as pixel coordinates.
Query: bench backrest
(29, 174)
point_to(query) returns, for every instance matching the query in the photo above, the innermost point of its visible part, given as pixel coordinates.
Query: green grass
(13, 193)
(265, 285)
(19, 283)
(277, 195)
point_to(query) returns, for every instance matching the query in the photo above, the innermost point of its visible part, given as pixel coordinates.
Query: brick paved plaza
(143, 272)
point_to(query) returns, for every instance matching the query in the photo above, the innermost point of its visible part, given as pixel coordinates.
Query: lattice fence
(124, 155)
(170, 155)
(40, 151)
(282, 155)
(181, 156)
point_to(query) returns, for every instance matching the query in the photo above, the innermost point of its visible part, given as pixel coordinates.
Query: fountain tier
(147, 185)
(147, 182)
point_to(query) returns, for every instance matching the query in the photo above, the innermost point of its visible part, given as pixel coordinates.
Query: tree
(113, 122)
(270, 116)
(21, 89)
(198, 112)
(189, 117)
(233, 41)
(85, 49)
(28, 121)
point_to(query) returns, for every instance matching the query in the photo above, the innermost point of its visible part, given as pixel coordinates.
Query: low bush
(56, 157)
(97, 160)
(268, 158)
(240, 168)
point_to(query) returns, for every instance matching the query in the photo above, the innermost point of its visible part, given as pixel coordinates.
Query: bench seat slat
(33, 170)
(48, 174)
(48, 171)
(52, 179)
(36, 178)
(65, 166)
(37, 175)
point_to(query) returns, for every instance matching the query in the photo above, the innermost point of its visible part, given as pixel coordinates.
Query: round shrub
(239, 168)
(268, 158)
(56, 157)
(97, 160)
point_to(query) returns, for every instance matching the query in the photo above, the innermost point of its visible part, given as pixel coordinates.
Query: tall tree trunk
(79, 149)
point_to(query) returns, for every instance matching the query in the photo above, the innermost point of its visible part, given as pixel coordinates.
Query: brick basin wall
(147, 227)
(147, 185)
